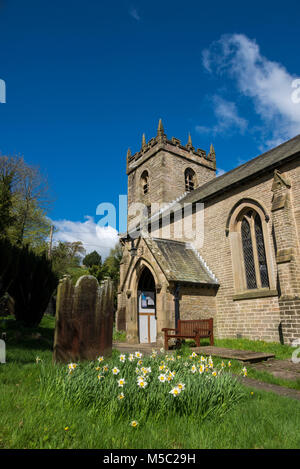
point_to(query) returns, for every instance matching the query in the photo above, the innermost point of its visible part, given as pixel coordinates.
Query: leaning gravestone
(84, 319)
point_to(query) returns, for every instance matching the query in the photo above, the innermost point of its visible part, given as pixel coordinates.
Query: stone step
(241, 355)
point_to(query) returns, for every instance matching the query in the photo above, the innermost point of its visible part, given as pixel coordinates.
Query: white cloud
(134, 13)
(93, 236)
(220, 172)
(266, 82)
(227, 116)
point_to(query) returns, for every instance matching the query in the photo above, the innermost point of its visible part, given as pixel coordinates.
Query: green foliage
(31, 225)
(29, 280)
(119, 336)
(9, 264)
(76, 273)
(92, 259)
(65, 256)
(100, 272)
(24, 200)
(111, 265)
(202, 395)
(6, 218)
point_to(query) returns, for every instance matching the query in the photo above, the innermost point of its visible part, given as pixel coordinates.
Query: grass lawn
(31, 419)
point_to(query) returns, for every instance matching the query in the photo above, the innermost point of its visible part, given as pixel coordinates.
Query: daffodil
(162, 378)
(72, 367)
(134, 423)
(131, 357)
(100, 359)
(193, 369)
(142, 384)
(175, 391)
(122, 358)
(121, 382)
(244, 370)
(138, 354)
(121, 396)
(181, 386)
(105, 368)
(115, 370)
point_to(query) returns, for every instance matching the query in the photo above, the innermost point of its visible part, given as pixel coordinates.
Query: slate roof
(181, 262)
(268, 161)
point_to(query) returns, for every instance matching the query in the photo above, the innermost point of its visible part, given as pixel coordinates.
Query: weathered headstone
(84, 319)
(2, 351)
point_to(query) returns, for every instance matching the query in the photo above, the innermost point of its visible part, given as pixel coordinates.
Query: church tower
(163, 170)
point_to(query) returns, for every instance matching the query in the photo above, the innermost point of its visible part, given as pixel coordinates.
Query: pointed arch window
(255, 262)
(189, 177)
(252, 251)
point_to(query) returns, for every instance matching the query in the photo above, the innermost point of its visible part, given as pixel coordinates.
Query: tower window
(189, 177)
(145, 182)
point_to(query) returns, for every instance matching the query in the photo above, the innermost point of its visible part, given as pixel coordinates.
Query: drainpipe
(176, 303)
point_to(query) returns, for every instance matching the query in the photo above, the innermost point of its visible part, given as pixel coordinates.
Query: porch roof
(181, 262)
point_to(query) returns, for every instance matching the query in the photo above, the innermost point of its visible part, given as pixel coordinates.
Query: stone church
(225, 247)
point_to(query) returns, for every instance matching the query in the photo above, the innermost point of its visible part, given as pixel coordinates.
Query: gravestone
(2, 351)
(84, 319)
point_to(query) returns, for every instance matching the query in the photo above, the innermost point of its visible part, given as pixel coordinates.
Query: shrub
(32, 287)
(9, 264)
(29, 280)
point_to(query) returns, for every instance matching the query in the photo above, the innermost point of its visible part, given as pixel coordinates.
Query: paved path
(261, 385)
(284, 369)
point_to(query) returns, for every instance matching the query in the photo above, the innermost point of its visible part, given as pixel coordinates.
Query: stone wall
(271, 314)
(166, 162)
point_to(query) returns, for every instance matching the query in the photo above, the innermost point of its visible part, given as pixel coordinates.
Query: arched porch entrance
(146, 296)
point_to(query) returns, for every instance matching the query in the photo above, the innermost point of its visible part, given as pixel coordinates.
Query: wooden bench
(191, 329)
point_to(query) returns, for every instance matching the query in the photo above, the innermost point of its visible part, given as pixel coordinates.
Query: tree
(6, 218)
(29, 202)
(29, 280)
(112, 263)
(91, 259)
(66, 255)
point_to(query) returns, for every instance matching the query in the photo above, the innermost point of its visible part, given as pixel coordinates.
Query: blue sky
(84, 80)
